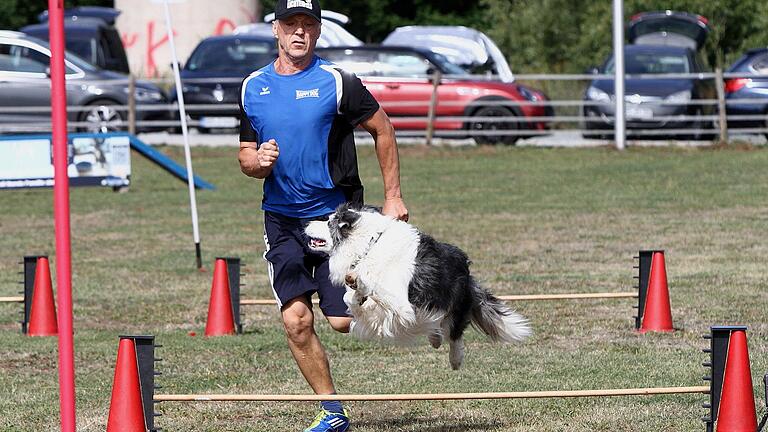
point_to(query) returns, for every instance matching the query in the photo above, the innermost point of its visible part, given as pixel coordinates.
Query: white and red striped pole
(61, 216)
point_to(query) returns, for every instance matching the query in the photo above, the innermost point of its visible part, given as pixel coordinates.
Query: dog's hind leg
(456, 357)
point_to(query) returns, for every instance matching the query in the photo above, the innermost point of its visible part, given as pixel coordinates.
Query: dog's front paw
(351, 280)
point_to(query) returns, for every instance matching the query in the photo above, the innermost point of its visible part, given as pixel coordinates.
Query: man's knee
(298, 321)
(340, 324)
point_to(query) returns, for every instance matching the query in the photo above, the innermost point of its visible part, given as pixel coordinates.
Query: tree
(15, 14)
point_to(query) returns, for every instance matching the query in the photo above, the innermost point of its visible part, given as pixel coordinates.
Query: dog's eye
(342, 224)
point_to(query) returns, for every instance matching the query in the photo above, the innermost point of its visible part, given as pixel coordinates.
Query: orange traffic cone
(126, 412)
(42, 316)
(737, 403)
(657, 315)
(220, 315)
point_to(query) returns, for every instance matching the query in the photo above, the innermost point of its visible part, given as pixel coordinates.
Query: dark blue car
(740, 88)
(661, 43)
(213, 74)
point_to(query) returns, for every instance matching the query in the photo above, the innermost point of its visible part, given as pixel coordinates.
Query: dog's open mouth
(316, 243)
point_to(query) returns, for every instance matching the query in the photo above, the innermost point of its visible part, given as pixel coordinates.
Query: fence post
(436, 78)
(132, 104)
(722, 118)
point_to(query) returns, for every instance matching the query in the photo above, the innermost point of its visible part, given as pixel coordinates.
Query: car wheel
(478, 127)
(102, 116)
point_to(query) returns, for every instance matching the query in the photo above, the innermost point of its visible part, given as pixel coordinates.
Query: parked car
(91, 34)
(754, 62)
(660, 43)
(400, 79)
(213, 75)
(469, 48)
(333, 33)
(25, 82)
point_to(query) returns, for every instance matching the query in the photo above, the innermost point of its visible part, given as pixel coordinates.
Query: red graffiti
(129, 40)
(223, 23)
(152, 47)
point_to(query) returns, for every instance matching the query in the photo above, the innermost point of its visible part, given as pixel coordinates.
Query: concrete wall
(142, 27)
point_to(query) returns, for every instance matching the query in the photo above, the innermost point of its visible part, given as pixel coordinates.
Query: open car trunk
(668, 28)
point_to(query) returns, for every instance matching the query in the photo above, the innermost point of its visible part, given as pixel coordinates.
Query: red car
(399, 78)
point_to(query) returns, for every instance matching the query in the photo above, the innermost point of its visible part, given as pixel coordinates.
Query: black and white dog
(402, 283)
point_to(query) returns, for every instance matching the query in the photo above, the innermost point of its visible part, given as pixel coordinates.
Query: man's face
(297, 35)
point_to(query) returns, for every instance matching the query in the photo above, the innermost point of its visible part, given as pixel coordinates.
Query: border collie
(402, 284)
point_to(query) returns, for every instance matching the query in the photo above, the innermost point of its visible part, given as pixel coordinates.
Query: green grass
(532, 220)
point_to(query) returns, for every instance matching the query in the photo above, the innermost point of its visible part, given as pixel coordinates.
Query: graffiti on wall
(153, 40)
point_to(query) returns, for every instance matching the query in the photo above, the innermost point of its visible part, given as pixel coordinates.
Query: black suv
(91, 34)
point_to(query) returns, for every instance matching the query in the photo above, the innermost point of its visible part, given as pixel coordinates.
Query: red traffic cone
(737, 403)
(42, 315)
(126, 412)
(220, 319)
(657, 315)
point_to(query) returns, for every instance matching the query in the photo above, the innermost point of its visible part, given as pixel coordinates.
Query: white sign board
(93, 161)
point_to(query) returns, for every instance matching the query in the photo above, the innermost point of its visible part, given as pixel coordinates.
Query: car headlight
(597, 95)
(678, 97)
(146, 95)
(528, 94)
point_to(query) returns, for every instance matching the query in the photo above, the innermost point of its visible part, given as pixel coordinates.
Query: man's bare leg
(305, 345)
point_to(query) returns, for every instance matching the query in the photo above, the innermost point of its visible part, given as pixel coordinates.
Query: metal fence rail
(704, 119)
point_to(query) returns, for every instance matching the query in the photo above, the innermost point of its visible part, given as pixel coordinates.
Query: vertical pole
(61, 216)
(722, 119)
(618, 58)
(132, 104)
(185, 133)
(436, 78)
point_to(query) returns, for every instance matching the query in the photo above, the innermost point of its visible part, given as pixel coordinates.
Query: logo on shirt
(301, 94)
(299, 3)
(264, 91)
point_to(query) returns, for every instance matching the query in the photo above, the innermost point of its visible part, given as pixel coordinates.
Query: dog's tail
(496, 319)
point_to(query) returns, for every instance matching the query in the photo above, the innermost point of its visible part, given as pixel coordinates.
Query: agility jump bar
(431, 396)
(234, 275)
(11, 299)
(720, 338)
(521, 297)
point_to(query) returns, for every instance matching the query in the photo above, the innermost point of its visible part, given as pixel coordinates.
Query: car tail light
(734, 85)
(702, 19)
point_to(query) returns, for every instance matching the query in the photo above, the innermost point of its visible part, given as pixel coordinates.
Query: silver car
(94, 95)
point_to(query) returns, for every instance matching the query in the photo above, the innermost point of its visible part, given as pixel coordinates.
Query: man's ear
(274, 28)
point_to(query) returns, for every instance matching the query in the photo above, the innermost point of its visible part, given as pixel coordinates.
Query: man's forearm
(249, 164)
(389, 162)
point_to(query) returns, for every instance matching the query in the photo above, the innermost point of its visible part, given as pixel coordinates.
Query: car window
(16, 58)
(240, 55)
(761, 65)
(652, 63)
(380, 63)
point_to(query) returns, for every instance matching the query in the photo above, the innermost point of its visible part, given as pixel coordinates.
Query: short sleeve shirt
(311, 115)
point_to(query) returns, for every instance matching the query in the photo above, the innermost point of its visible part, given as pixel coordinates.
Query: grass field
(532, 220)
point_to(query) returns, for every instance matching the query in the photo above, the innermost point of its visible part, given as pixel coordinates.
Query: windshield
(652, 63)
(447, 66)
(238, 56)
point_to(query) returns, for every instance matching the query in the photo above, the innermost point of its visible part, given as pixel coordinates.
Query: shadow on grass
(425, 424)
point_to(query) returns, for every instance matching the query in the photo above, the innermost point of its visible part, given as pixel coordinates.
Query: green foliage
(569, 35)
(15, 14)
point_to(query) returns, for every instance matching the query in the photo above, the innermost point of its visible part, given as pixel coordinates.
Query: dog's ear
(346, 222)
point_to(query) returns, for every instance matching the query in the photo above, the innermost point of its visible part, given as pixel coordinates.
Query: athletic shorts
(297, 271)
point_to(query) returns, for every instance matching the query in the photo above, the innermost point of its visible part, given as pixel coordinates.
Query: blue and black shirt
(312, 116)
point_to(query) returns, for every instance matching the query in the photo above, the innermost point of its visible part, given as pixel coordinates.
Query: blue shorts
(297, 271)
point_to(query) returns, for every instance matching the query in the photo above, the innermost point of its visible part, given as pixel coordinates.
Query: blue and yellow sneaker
(329, 422)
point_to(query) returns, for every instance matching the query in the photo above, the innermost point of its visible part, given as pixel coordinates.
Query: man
(298, 118)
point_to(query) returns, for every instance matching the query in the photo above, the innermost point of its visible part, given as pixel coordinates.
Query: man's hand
(268, 153)
(257, 161)
(395, 207)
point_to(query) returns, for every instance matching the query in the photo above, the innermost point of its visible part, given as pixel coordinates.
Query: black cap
(286, 8)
